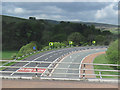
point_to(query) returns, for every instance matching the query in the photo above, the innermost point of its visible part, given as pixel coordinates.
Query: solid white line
(80, 65)
(82, 62)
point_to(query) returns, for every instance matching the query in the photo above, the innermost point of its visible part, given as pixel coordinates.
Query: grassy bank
(7, 55)
(102, 60)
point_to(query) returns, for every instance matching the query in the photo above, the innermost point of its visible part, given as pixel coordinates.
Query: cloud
(60, 0)
(18, 10)
(46, 16)
(72, 11)
(53, 9)
(15, 11)
(106, 12)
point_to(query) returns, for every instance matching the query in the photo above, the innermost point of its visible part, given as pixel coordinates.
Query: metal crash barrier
(82, 73)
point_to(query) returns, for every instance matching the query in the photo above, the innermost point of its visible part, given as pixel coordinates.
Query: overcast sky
(101, 12)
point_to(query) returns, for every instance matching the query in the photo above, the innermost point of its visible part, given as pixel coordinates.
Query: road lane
(73, 58)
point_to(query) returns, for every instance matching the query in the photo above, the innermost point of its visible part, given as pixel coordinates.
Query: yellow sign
(50, 43)
(70, 42)
(93, 42)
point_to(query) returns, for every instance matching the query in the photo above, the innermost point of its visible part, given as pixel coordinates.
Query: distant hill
(97, 25)
(51, 21)
(101, 26)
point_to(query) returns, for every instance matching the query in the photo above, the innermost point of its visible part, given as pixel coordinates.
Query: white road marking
(50, 56)
(46, 59)
(82, 61)
(68, 68)
(34, 60)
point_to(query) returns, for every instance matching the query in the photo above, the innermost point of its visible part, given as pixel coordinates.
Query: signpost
(70, 43)
(34, 48)
(93, 42)
(51, 44)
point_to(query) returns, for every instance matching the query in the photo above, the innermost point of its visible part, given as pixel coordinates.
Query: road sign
(70, 42)
(50, 43)
(34, 48)
(40, 70)
(93, 42)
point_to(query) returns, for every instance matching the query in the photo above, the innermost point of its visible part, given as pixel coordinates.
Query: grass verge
(7, 55)
(101, 59)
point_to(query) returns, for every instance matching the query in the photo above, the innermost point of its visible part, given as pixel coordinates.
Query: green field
(8, 54)
(102, 60)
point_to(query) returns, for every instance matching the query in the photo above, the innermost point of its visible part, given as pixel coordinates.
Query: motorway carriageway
(69, 64)
(50, 56)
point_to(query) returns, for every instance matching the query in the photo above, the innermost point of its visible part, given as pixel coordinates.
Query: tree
(32, 18)
(90, 38)
(76, 37)
(100, 39)
(26, 49)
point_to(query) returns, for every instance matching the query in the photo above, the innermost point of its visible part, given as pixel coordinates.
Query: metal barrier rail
(49, 69)
(61, 73)
(64, 63)
(62, 68)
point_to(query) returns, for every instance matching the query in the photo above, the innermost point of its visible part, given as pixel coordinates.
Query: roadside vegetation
(111, 57)
(102, 59)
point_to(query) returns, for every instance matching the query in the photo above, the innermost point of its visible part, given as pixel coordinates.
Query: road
(50, 56)
(71, 59)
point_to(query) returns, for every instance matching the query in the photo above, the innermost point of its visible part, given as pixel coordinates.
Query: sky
(100, 12)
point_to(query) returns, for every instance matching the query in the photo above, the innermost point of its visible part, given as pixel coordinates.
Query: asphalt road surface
(71, 59)
(50, 56)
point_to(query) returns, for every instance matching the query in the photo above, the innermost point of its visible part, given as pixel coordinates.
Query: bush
(112, 53)
(27, 49)
(85, 44)
(62, 44)
(59, 45)
(46, 47)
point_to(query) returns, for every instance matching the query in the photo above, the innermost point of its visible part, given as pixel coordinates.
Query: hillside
(100, 25)
(97, 25)
(17, 32)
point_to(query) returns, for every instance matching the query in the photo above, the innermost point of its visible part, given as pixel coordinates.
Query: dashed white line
(50, 56)
(34, 60)
(46, 59)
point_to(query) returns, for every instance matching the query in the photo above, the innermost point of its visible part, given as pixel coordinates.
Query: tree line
(17, 32)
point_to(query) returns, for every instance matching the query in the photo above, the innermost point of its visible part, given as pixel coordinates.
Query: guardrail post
(36, 70)
(84, 71)
(100, 75)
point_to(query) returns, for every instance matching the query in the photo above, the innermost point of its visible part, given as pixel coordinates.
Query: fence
(50, 74)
